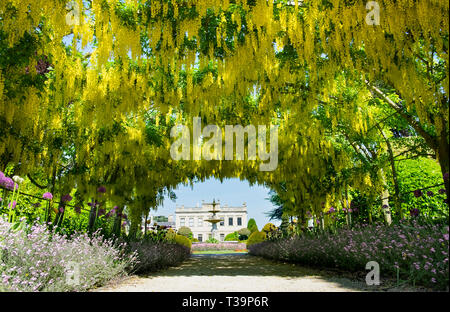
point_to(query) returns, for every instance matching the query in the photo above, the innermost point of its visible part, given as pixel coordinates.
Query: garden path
(241, 273)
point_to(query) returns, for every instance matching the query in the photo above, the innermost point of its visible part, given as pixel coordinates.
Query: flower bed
(219, 246)
(418, 253)
(35, 259)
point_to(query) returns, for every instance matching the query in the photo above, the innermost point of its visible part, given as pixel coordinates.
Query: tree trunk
(118, 223)
(385, 200)
(442, 156)
(397, 203)
(92, 216)
(347, 203)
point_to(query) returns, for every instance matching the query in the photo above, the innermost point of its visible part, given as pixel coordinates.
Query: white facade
(234, 219)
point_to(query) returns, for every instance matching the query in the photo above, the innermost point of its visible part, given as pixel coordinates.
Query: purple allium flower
(8, 183)
(1, 199)
(47, 195)
(61, 209)
(331, 210)
(414, 212)
(124, 216)
(101, 189)
(418, 193)
(12, 205)
(77, 209)
(66, 198)
(430, 193)
(441, 191)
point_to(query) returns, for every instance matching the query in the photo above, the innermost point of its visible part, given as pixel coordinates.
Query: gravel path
(240, 273)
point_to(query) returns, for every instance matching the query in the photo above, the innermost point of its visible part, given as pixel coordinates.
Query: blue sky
(232, 192)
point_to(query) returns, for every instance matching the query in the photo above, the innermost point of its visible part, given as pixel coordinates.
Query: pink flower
(12, 205)
(47, 195)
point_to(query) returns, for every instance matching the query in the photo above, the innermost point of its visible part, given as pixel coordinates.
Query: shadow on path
(245, 273)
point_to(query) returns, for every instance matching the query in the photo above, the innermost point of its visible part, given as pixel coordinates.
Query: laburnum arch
(89, 91)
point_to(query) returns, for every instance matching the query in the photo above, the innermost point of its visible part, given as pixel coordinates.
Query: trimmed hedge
(183, 240)
(256, 237)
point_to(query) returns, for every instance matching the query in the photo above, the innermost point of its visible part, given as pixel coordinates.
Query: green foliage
(212, 241)
(185, 231)
(170, 235)
(284, 227)
(256, 237)
(183, 240)
(416, 174)
(251, 225)
(244, 233)
(194, 240)
(232, 237)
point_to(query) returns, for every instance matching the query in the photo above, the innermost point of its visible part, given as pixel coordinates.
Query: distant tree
(185, 231)
(277, 212)
(244, 233)
(269, 227)
(161, 219)
(232, 237)
(251, 225)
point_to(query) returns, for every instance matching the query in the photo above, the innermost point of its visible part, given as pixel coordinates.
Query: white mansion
(229, 220)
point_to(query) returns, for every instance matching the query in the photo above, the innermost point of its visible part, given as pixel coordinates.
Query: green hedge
(183, 240)
(256, 237)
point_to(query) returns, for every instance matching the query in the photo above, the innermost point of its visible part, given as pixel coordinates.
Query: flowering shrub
(220, 246)
(417, 252)
(35, 259)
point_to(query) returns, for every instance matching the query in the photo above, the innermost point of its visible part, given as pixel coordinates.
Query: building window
(222, 221)
(239, 221)
(200, 237)
(191, 222)
(182, 222)
(200, 222)
(222, 237)
(230, 221)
